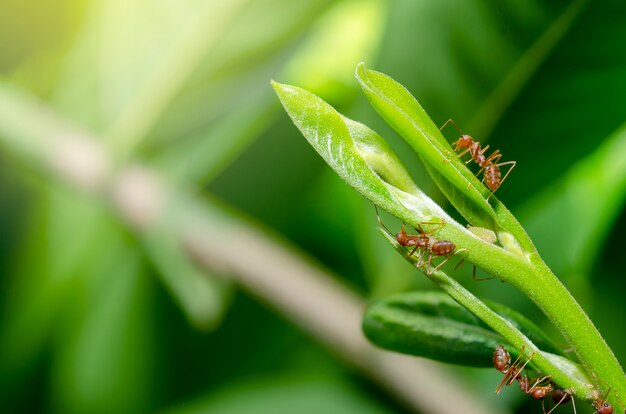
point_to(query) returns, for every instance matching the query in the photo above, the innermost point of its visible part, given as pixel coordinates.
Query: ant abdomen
(560, 396)
(501, 359)
(493, 177)
(442, 247)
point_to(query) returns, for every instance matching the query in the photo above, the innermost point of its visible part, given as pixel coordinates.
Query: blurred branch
(168, 78)
(223, 243)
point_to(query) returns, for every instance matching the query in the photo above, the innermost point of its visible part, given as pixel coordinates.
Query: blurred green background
(103, 307)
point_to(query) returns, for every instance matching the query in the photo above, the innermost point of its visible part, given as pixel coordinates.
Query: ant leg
(420, 257)
(513, 164)
(380, 221)
(480, 279)
(419, 229)
(477, 279)
(448, 258)
(450, 121)
(456, 147)
(520, 369)
(434, 269)
(488, 161)
(537, 382)
(495, 154)
(510, 373)
(459, 155)
(413, 251)
(459, 263)
(565, 394)
(424, 261)
(439, 225)
(429, 267)
(494, 157)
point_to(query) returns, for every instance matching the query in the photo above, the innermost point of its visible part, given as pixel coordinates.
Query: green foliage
(516, 261)
(97, 315)
(284, 396)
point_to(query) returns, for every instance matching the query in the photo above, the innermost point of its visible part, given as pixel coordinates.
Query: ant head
(464, 141)
(603, 407)
(540, 392)
(402, 237)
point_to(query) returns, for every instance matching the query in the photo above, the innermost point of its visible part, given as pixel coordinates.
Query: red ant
(438, 248)
(492, 176)
(512, 372)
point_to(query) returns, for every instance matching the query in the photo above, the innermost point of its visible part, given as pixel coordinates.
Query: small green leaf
(364, 160)
(515, 262)
(433, 325)
(402, 111)
(468, 195)
(359, 155)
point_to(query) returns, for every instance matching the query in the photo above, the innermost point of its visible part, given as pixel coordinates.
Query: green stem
(578, 384)
(527, 272)
(535, 279)
(547, 292)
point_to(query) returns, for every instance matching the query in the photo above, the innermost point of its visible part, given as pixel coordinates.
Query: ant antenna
(450, 121)
(381, 222)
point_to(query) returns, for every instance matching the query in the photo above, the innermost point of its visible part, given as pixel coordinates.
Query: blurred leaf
(248, 112)
(570, 103)
(582, 205)
(204, 28)
(525, 67)
(194, 75)
(41, 287)
(17, 110)
(200, 158)
(234, 73)
(347, 34)
(287, 395)
(128, 46)
(104, 353)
